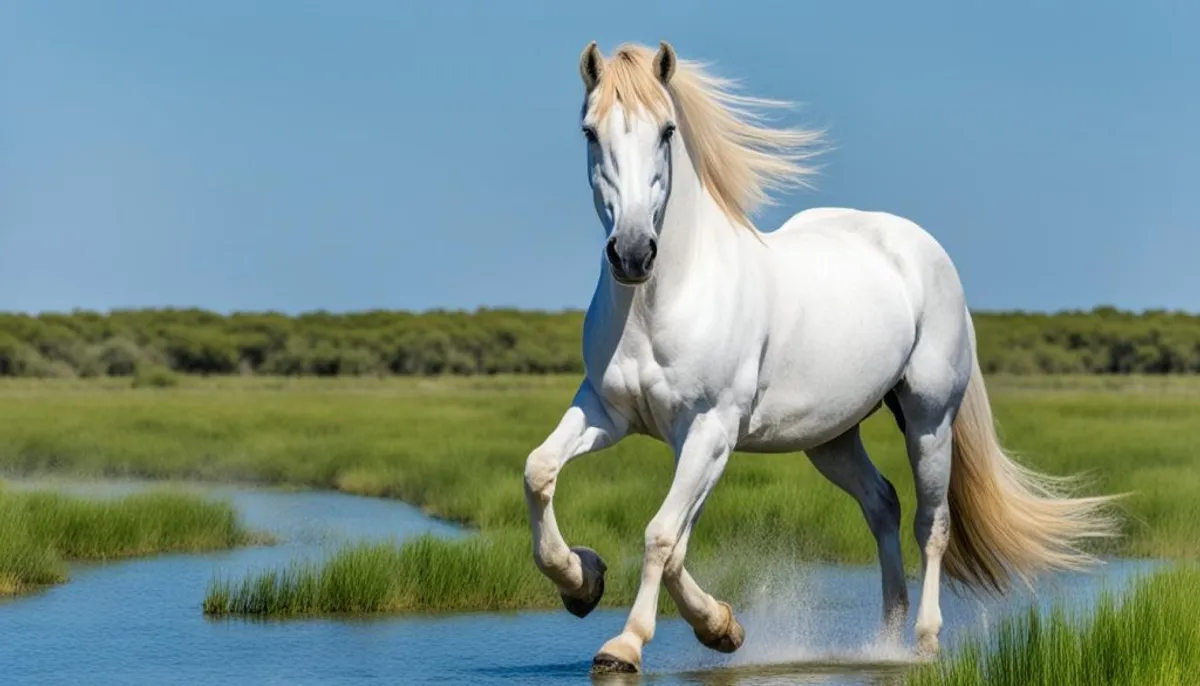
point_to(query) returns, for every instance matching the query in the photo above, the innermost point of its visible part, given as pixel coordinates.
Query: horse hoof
(927, 644)
(621, 654)
(728, 640)
(604, 663)
(593, 583)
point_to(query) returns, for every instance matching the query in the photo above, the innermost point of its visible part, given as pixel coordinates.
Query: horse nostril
(653, 250)
(611, 251)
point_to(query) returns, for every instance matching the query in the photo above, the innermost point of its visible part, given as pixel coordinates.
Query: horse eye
(590, 134)
(667, 132)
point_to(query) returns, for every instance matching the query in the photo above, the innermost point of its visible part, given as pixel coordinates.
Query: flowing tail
(1007, 520)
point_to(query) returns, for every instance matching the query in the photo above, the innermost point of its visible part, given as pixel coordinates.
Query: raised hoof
(729, 639)
(593, 583)
(604, 663)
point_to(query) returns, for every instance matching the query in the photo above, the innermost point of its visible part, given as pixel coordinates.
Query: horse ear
(590, 65)
(664, 62)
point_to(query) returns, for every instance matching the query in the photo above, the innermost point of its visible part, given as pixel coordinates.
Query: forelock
(628, 80)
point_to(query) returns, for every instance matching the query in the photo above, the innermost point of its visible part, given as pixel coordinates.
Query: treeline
(192, 341)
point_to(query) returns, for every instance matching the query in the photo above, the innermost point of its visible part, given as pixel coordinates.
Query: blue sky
(301, 155)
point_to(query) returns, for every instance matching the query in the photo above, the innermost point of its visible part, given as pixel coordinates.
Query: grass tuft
(155, 376)
(1148, 637)
(39, 531)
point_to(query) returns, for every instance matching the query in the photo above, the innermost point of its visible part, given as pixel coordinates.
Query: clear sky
(295, 155)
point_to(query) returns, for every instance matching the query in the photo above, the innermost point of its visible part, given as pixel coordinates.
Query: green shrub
(193, 341)
(155, 376)
(114, 357)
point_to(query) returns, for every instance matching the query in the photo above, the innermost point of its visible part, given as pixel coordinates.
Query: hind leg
(928, 398)
(929, 452)
(844, 461)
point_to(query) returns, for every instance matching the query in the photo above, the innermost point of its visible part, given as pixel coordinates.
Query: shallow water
(139, 621)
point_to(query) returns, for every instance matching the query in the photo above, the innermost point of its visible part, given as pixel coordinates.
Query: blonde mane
(738, 159)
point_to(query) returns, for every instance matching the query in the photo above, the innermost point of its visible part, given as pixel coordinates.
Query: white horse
(713, 337)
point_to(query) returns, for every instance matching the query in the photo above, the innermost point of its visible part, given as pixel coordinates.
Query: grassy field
(1148, 637)
(40, 531)
(456, 447)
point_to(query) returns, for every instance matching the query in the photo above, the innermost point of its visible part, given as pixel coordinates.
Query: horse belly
(831, 364)
(799, 419)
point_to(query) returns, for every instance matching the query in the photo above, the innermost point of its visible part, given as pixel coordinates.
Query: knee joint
(673, 565)
(541, 472)
(660, 543)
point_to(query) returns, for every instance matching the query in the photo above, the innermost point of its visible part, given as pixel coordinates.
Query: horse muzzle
(631, 261)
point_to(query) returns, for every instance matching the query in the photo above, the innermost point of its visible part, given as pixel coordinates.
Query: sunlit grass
(488, 572)
(39, 531)
(456, 448)
(1150, 636)
(423, 574)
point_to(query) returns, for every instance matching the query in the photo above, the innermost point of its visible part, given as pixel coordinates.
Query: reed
(41, 531)
(1148, 636)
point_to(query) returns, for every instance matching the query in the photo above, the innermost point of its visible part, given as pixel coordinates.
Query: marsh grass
(427, 574)
(1150, 636)
(40, 531)
(362, 578)
(26, 563)
(422, 574)
(456, 448)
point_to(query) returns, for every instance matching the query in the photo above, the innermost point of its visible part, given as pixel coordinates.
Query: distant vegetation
(151, 346)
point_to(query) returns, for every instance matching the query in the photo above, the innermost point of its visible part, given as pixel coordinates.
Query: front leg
(700, 462)
(712, 620)
(585, 427)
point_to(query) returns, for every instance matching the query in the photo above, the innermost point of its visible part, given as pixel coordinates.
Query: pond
(140, 622)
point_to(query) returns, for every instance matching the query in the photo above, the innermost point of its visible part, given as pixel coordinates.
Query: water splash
(797, 614)
(816, 623)
(805, 622)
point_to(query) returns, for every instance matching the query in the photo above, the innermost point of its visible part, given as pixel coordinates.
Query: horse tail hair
(1007, 520)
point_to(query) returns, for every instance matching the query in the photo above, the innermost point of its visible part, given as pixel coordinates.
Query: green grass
(1148, 637)
(40, 531)
(479, 573)
(456, 448)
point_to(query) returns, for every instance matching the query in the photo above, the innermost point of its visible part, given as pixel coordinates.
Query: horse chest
(646, 393)
(658, 374)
